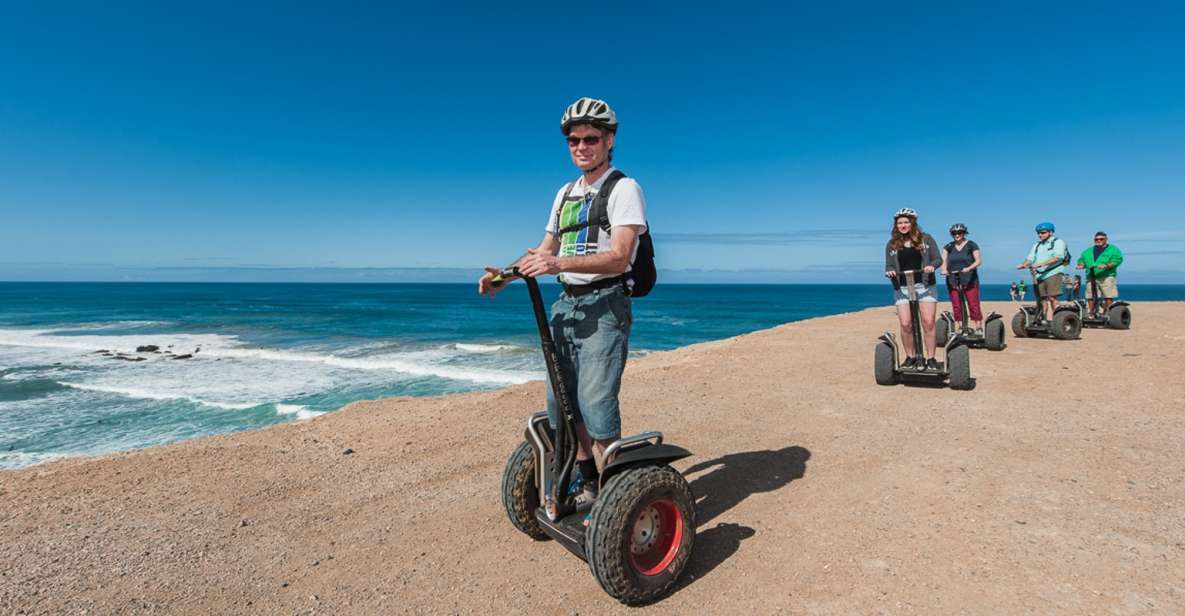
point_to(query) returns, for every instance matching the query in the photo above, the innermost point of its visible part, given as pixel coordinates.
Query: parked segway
(992, 336)
(955, 371)
(638, 536)
(1118, 316)
(1030, 321)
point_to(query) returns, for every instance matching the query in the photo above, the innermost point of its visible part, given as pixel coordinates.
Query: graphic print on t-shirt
(582, 241)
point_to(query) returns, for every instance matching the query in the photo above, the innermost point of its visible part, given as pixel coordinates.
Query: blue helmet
(1045, 226)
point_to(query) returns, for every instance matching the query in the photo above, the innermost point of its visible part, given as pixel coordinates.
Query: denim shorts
(925, 293)
(592, 335)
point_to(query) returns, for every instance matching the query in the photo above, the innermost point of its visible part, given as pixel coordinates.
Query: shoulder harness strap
(599, 210)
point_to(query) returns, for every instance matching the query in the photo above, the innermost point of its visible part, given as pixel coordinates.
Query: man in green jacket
(1101, 263)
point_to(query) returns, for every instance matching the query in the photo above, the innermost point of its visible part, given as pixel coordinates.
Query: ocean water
(72, 382)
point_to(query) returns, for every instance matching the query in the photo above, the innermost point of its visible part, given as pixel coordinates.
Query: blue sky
(773, 141)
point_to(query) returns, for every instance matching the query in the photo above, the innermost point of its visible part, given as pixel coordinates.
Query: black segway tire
(993, 335)
(885, 366)
(1066, 325)
(941, 330)
(641, 530)
(520, 493)
(958, 362)
(1119, 317)
(1018, 325)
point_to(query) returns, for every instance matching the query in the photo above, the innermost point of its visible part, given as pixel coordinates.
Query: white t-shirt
(627, 206)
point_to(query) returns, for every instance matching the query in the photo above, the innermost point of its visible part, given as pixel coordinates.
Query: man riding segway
(632, 519)
(1101, 264)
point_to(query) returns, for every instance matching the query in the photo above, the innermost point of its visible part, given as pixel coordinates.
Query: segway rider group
(910, 249)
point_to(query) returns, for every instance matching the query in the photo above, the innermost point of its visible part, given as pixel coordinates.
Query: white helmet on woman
(905, 211)
(589, 111)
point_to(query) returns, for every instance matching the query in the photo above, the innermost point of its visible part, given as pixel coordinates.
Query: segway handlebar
(507, 274)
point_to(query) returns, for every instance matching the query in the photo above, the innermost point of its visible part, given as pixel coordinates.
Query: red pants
(972, 302)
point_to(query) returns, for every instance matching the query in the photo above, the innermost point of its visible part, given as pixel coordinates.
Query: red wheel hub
(656, 536)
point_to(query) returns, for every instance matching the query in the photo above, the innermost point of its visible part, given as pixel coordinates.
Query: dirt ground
(1054, 487)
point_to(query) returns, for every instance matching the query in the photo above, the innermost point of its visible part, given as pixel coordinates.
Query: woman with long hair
(910, 248)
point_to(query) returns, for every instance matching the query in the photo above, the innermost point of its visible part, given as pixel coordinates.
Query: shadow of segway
(736, 476)
(932, 384)
(731, 479)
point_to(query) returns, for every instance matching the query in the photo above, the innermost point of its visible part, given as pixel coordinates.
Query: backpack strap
(560, 210)
(601, 204)
(599, 210)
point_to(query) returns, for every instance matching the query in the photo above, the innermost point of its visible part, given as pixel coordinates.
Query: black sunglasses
(1100, 239)
(590, 140)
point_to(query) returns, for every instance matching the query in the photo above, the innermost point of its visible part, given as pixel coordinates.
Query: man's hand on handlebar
(929, 269)
(537, 263)
(890, 274)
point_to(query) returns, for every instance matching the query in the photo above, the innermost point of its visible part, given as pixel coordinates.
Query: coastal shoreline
(817, 490)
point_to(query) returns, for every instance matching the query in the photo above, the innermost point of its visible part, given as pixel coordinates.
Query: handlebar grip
(505, 276)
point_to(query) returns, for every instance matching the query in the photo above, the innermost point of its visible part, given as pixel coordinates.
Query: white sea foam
(101, 325)
(21, 459)
(144, 394)
(396, 363)
(425, 363)
(44, 339)
(300, 411)
(483, 348)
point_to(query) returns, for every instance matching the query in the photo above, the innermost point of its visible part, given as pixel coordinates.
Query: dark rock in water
(103, 352)
(186, 356)
(127, 358)
(148, 348)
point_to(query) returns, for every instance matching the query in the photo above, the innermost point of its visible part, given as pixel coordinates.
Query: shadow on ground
(729, 480)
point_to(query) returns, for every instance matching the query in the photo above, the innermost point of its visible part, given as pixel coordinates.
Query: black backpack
(643, 274)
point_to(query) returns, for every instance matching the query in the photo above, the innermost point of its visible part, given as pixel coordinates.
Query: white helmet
(905, 211)
(589, 111)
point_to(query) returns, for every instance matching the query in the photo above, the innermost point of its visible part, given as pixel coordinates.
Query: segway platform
(1117, 316)
(1030, 322)
(992, 336)
(954, 371)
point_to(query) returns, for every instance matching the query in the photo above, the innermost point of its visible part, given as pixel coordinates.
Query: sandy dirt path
(1056, 486)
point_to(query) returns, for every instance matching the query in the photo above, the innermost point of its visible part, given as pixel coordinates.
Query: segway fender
(891, 340)
(992, 317)
(956, 340)
(643, 454)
